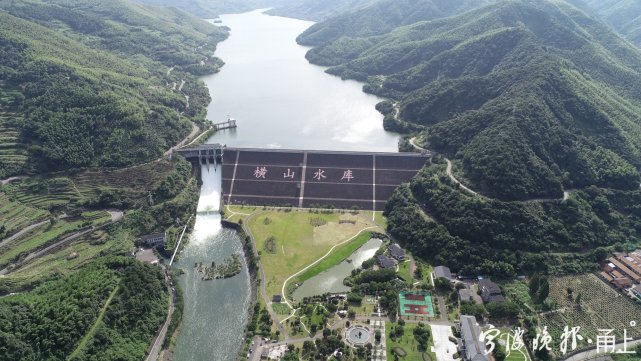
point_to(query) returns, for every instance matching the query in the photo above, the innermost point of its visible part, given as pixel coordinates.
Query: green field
(404, 272)
(337, 256)
(300, 238)
(407, 343)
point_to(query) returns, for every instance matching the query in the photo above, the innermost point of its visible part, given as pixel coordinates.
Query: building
(385, 262)
(442, 271)
(465, 295)
(490, 291)
(154, 239)
(396, 252)
(471, 347)
(277, 299)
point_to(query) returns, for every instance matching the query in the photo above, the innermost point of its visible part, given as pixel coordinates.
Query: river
(279, 100)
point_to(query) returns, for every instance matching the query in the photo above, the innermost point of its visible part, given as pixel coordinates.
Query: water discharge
(279, 100)
(215, 311)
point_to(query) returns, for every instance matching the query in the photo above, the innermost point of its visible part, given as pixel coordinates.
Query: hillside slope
(88, 83)
(531, 96)
(623, 15)
(380, 17)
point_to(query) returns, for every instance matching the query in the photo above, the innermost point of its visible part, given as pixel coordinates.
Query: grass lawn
(515, 355)
(405, 342)
(299, 239)
(281, 309)
(404, 272)
(337, 256)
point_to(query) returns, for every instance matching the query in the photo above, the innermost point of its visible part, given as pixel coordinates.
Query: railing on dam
(308, 178)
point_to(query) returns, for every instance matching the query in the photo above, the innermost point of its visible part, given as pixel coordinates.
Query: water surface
(282, 101)
(279, 100)
(332, 280)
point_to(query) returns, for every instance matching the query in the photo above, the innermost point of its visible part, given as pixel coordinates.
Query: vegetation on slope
(623, 15)
(380, 17)
(89, 83)
(532, 96)
(48, 322)
(475, 235)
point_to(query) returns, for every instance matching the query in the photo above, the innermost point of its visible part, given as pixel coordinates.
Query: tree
(442, 284)
(377, 336)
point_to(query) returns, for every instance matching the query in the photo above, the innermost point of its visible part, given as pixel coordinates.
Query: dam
(307, 178)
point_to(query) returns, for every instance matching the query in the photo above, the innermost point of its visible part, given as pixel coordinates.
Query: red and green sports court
(416, 303)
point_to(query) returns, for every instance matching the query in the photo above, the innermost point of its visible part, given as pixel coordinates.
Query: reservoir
(280, 101)
(332, 280)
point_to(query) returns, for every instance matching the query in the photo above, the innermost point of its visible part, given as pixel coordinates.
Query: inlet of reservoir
(279, 101)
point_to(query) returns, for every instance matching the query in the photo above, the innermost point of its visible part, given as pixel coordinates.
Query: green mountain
(88, 83)
(531, 97)
(315, 10)
(623, 15)
(380, 17)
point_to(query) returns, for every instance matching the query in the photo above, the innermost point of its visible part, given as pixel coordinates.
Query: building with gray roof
(471, 347)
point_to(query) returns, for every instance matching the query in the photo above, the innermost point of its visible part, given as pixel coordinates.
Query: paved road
(158, 341)
(443, 347)
(592, 354)
(448, 171)
(9, 180)
(194, 130)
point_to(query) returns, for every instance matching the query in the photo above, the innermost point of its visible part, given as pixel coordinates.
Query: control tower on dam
(308, 178)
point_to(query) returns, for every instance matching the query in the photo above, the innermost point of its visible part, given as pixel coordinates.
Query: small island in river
(228, 268)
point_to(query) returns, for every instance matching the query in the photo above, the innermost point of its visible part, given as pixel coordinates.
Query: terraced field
(598, 307)
(13, 154)
(60, 190)
(14, 216)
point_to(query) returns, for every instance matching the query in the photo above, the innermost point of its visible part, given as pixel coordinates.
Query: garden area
(408, 341)
(290, 240)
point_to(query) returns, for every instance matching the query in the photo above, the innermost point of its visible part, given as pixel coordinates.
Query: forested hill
(622, 15)
(532, 97)
(88, 82)
(381, 17)
(316, 10)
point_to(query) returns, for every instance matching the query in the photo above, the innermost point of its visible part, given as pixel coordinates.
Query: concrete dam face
(304, 178)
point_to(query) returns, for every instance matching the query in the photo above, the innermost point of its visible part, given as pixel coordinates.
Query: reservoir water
(279, 100)
(332, 280)
(282, 101)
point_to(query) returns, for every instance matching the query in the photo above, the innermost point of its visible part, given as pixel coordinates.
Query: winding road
(448, 171)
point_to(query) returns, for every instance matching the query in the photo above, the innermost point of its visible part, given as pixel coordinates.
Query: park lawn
(298, 243)
(515, 355)
(407, 343)
(365, 309)
(380, 219)
(281, 309)
(337, 256)
(404, 272)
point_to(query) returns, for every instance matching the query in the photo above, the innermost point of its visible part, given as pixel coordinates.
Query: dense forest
(532, 97)
(111, 308)
(91, 83)
(528, 99)
(622, 15)
(475, 235)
